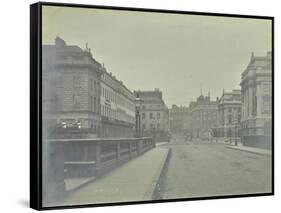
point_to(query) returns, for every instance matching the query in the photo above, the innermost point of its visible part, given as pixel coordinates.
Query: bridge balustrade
(85, 158)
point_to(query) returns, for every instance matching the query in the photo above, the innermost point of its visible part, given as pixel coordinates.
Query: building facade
(256, 89)
(203, 117)
(117, 107)
(81, 99)
(71, 91)
(179, 119)
(154, 114)
(229, 115)
(187, 123)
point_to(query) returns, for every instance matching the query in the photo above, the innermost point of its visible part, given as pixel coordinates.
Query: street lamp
(235, 134)
(138, 102)
(236, 122)
(154, 129)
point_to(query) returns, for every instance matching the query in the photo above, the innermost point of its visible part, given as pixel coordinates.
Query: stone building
(229, 115)
(81, 99)
(203, 117)
(256, 89)
(71, 91)
(154, 114)
(187, 123)
(117, 107)
(179, 119)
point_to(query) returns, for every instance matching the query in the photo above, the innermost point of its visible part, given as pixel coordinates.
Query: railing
(73, 158)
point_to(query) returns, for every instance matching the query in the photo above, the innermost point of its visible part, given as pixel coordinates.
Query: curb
(249, 151)
(81, 185)
(161, 180)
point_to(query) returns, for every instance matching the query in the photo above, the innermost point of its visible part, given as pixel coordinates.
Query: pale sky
(173, 52)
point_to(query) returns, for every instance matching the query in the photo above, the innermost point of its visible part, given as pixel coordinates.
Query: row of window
(95, 85)
(77, 83)
(94, 103)
(230, 109)
(152, 126)
(108, 112)
(158, 106)
(151, 115)
(117, 85)
(116, 98)
(207, 118)
(209, 113)
(206, 115)
(231, 119)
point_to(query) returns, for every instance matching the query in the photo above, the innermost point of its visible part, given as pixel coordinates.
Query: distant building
(71, 91)
(204, 117)
(154, 114)
(117, 107)
(179, 119)
(229, 114)
(187, 122)
(256, 89)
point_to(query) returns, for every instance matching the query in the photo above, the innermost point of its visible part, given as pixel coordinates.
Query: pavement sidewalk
(76, 183)
(254, 150)
(161, 143)
(134, 181)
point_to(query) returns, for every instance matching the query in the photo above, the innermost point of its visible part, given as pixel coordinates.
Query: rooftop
(60, 47)
(258, 61)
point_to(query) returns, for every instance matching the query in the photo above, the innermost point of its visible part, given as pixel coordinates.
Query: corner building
(256, 88)
(71, 91)
(81, 99)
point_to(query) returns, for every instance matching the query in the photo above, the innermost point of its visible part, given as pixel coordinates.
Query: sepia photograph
(148, 106)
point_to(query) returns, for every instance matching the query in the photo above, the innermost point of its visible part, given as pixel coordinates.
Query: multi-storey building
(179, 120)
(81, 99)
(154, 114)
(203, 116)
(256, 89)
(71, 91)
(229, 115)
(187, 124)
(117, 107)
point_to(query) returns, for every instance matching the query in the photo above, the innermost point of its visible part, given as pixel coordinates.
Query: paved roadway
(209, 169)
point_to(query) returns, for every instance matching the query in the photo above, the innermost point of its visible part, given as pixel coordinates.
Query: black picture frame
(36, 103)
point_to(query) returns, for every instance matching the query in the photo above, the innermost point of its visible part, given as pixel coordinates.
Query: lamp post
(154, 129)
(236, 131)
(138, 102)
